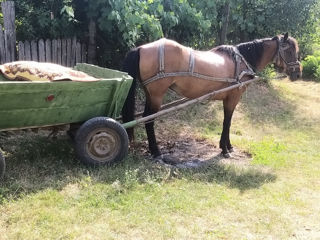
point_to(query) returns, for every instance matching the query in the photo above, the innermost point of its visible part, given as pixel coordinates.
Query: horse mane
(228, 50)
(251, 51)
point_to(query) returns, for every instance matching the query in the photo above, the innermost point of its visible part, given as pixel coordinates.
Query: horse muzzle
(295, 71)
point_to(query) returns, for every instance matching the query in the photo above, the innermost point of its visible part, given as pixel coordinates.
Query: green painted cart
(89, 108)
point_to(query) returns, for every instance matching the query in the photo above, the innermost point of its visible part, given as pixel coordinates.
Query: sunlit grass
(48, 194)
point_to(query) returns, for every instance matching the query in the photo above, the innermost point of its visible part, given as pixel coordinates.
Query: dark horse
(165, 64)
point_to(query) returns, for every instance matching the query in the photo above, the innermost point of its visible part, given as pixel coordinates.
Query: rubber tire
(101, 130)
(2, 165)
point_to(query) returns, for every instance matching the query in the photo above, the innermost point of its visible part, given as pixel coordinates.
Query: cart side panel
(122, 89)
(26, 104)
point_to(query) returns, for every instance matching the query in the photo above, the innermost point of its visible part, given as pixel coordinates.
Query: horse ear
(275, 38)
(285, 38)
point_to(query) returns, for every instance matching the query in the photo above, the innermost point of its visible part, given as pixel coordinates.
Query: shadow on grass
(242, 178)
(37, 163)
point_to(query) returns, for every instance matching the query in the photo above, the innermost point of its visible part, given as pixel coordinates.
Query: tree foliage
(44, 19)
(124, 24)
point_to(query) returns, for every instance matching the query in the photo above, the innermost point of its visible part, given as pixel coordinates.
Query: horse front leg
(225, 144)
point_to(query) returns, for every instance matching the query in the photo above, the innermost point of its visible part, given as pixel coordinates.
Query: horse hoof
(226, 155)
(158, 158)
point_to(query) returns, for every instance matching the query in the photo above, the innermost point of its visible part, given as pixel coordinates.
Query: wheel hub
(103, 146)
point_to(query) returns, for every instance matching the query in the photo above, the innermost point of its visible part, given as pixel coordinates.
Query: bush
(267, 73)
(310, 65)
(317, 73)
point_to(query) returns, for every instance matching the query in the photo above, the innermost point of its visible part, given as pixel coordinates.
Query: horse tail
(131, 66)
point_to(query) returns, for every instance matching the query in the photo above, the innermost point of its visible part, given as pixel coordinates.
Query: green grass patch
(268, 152)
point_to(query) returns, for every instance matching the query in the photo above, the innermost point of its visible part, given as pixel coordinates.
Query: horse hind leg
(153, 146)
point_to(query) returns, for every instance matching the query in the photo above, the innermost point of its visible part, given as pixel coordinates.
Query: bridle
(279, 55)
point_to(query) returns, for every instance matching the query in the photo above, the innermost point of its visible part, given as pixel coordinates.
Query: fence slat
(54, 52)
(34, 51)
(64, 52)
(48, 51)
(21, 51)
(78, 53)
(83, 53)
(42, 54)
(27, 50)
(2, 47)
(59, 51)
(73, 52)
(69, 43)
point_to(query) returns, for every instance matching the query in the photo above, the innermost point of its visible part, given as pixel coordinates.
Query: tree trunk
(224, 28)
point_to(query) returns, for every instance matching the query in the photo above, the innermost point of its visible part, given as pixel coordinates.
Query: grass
(48, 194)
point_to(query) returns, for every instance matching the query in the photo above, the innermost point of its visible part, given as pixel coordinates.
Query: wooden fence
(66, 52)
(8, 35)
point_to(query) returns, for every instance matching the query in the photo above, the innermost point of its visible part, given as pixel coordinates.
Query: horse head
(286, 58)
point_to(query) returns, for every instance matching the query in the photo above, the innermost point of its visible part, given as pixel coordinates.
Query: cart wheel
(2, 165)
(101, 141)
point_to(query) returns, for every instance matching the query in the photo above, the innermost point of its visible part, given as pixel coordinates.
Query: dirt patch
(183, 149)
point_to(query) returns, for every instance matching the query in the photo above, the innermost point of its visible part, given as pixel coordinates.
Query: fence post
(2, 46)
(9, 30)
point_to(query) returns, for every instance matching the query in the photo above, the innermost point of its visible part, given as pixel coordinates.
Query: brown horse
(165, 64)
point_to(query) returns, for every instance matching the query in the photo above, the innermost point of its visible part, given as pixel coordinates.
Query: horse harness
(237, 57)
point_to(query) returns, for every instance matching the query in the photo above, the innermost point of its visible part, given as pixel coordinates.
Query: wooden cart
(89, 108)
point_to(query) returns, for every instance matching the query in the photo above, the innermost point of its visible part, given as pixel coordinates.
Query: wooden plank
(64, 52)
(78, 53)
(21, 55)
(9, 32)
(2, 46)
(48, 51)
(83, 53)
(54, 51)
(69, 43)
(27, 50)
(42, 54)
(59, 51)
(34, 51)
(73, 52)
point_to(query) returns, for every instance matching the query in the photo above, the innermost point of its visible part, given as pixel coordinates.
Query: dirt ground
(183, 149)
